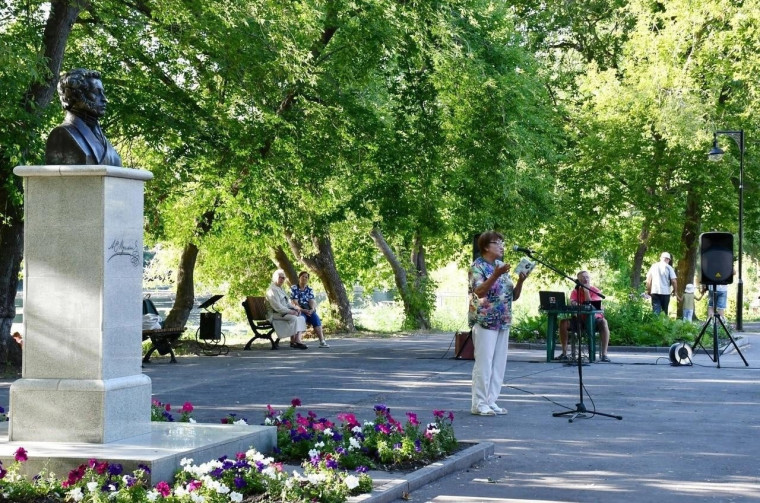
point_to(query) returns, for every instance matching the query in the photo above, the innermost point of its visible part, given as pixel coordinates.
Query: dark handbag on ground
(464, 349)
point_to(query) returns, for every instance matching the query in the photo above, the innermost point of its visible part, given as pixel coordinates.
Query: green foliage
(633, 324)
(381, 317)
(528, 328)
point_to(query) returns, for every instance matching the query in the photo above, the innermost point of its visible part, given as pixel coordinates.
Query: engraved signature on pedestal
(127, 248)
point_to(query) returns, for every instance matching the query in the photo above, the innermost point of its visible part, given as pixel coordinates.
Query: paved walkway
(686, 431)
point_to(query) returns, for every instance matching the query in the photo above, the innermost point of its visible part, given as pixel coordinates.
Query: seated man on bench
(571, 324)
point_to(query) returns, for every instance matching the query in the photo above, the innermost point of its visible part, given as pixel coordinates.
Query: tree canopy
(368, 140)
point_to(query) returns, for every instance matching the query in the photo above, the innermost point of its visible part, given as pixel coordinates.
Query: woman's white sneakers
(483, 411)
(490, 410)
(497, 410)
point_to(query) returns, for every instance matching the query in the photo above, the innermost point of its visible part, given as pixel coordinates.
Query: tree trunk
(282, 261)
(62, 15)
(414, 312)
(185, 300)
(12, 244)
(638, 257)
(687, 265)
(323, 265)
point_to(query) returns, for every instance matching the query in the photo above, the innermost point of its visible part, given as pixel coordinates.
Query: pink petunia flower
(21, 455)
(163, 489)
(187, 407)
(296, 402)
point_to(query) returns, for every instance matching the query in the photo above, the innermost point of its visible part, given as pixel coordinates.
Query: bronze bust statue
(79, 139)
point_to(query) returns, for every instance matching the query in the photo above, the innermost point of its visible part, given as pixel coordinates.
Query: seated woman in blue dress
(303, 296)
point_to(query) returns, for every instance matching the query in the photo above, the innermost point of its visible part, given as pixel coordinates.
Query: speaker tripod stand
(715, 319)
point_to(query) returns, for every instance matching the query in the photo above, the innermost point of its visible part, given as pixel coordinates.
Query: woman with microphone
(490, 315)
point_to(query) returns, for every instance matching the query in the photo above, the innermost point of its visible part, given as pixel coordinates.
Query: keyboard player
(590, 296)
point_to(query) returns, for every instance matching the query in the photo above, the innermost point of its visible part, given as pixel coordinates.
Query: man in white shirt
(660, 278)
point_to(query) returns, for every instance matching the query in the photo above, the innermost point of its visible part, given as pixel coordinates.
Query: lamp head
(715, 153)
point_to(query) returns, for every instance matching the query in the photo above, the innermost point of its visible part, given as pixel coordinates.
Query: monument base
(161, 450)
(80, 410)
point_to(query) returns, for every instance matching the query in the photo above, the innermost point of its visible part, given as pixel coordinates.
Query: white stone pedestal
(83, 248)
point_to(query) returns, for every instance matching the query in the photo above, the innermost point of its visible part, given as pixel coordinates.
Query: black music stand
(715, 319)
(580, 408)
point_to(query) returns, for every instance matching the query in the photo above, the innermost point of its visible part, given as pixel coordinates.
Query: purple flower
(397, 446)
(362, 469)
(331, 463)
(115, 469)
(382, 409)
(340, 450)
(217, 473)
(417, 445)
(239, 482)
(144, 468)
(296, 402)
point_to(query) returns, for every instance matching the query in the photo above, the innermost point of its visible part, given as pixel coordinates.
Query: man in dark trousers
(79, 139)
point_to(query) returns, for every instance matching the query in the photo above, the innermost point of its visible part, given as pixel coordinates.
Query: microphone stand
(580, 409)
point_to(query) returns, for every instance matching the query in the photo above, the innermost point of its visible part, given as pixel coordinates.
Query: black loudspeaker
(475, 249)
(717, 258)
(211, 326)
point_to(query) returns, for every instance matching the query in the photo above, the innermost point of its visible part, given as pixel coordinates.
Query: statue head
(81, 92)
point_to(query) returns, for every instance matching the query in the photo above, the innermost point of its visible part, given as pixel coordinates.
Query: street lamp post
(715, 154)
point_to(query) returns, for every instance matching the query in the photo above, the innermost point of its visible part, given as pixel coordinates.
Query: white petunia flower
(319, 445)
(254, 455)
(241, 422)
(152, 495)
(316, 478)
(75, 494)
(269, 472)
(92, 486)
(352, 482)
(236, 497)
(328, 432)
(186, 461)
(313, 453)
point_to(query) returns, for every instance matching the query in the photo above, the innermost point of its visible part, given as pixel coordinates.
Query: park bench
(161, 339)
(256, 312)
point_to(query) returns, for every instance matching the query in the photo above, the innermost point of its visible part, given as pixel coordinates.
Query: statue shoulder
(64, 146)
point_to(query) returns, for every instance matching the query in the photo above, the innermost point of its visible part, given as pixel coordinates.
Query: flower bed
(325, 450)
